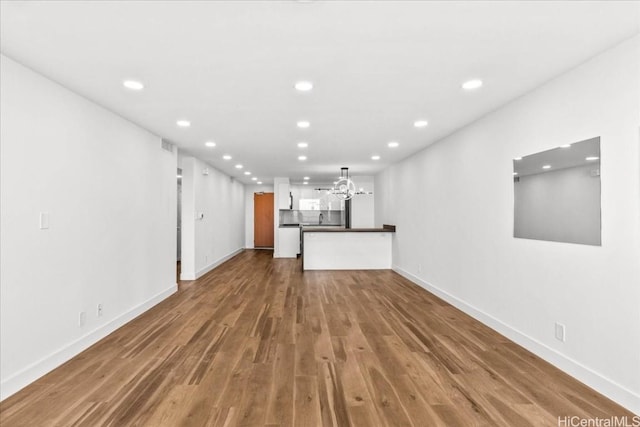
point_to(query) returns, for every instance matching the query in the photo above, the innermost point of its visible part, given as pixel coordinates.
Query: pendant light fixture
(344, 188)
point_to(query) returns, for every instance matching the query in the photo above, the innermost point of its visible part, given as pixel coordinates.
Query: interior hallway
(258, 343)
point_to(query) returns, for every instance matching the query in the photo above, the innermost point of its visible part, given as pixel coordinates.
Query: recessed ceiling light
(210, 144)
(227, 157)
(306, 178)
(546, 167)
(565, 146)
(375, 157)
(518, 158)
(133, 85)
(183, 123)
(304, 86)
(305, 183)
(302, 145)
(259, 182)
(303, 124)
(421, 123)
(472, 84)
(247, 173)
(239, 166)
(254, 179)
(590, 158)
(302, 158)
(393, 144)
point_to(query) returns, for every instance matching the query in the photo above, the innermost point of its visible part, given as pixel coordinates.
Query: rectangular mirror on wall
(557, 194)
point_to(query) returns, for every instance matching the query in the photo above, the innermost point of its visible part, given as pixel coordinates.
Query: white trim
(210, 267)
(187, 276)
(593, 379)
(37, 369)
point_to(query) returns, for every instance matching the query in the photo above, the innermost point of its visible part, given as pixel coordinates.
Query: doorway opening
(263, 220)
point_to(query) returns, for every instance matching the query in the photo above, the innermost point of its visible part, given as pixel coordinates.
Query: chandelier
(344, 188)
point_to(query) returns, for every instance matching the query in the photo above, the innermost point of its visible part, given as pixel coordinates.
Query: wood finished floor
(258, 343)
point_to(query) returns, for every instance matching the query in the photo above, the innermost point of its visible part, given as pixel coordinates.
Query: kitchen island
(339, 248)
(290, 237)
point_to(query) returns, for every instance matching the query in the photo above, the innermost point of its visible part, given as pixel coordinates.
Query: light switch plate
(44, 220)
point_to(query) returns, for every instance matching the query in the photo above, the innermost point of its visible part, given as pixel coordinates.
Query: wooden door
(263, 220)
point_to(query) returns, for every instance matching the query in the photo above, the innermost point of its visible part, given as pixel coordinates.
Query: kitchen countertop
(326, 229)
(309, 225)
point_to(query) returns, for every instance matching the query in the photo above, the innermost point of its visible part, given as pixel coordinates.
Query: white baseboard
(584, 374)
(214, 264)
(208, 268)
(36, 370)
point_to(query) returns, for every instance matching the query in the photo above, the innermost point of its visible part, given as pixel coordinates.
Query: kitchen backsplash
(297, 216)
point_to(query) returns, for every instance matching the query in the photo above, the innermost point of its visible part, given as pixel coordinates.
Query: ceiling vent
(166, 145)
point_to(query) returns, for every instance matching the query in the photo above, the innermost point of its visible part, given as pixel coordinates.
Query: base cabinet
(289, 242)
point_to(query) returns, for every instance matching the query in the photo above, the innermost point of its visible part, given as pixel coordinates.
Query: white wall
(248, 213)
(209, 241)
(110, 191)
(277, 194)
(363, 205)
(453, 207)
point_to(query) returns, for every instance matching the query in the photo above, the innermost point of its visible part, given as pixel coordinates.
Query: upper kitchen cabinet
(303, 192)
(284, 196)
(312, 196)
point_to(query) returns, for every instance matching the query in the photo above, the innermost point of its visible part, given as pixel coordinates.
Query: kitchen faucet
(320, 218)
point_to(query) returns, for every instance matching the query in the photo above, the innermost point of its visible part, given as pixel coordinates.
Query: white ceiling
(229, 67)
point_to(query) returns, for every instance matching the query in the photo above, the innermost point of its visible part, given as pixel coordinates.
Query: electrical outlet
(99, 310)
(560, 330)
(82, 318)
